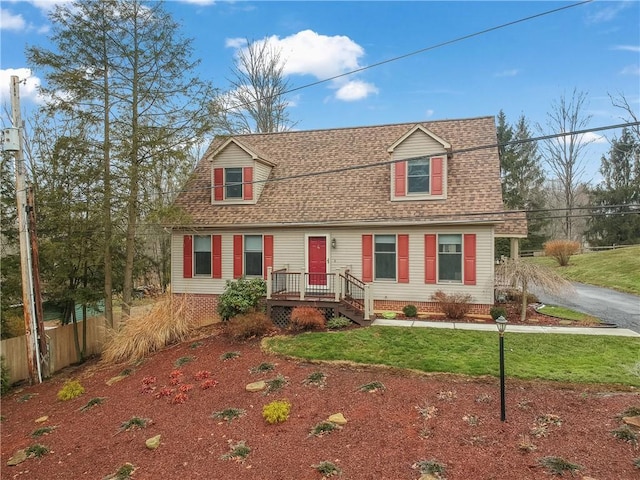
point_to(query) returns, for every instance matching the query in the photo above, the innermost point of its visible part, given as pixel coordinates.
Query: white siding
(261, 173)
(289, 252)
(233, 156)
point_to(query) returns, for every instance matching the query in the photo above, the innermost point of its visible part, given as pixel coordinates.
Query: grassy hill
(617, 269)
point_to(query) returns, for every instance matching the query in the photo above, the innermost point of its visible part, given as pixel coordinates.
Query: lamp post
(501, 322)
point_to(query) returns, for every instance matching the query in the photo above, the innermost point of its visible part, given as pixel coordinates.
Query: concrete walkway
(487, 327)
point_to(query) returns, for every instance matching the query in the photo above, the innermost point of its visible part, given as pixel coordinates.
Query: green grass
(617, 269)
(567, 314)
(561, 357)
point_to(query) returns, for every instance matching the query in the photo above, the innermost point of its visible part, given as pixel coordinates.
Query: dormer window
(418, 175)
(233, 183)
(418, 178)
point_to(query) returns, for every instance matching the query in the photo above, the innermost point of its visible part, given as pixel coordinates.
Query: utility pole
(13, 144)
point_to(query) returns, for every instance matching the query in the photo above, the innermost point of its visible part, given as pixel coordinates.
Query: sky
(523, 68)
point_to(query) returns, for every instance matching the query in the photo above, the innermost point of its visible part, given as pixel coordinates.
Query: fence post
(368, 311)
(269, 280)
(302, 284)
(338, 286)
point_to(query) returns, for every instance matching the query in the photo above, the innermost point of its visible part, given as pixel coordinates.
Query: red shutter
(218, 184)
(436, 175)
(470, 259)
(367, 258)
(187, 256)
(430, 253)
(401, 179)
(247, 179)
(403, 258)
(237, 256)
(268, 253)
(216, 256)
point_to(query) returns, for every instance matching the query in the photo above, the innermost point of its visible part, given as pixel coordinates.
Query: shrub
(316, 378)
(626, 434)
(135, 422)
(275, 384)
(372, 387)
(229, 414)
(36, 450)
(430, 467)
(71, 389)
(247, 325)
(124, 472)
(410, 311)
(241, 296)
(92, 403)
(229, 356)
(42, 431)
(307, 318)
(323, 428)
(237, 451)
(561, 250)
(497, 312)
(276, 412)
(263, 368)
(558, 465)
(515, 296)
(338, 323)
(6, 380)
(454, 306)
(327, 469)
(183, 361)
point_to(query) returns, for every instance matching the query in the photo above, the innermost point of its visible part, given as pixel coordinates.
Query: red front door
(317, 260)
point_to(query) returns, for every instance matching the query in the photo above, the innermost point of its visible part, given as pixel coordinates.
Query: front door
(317, 267)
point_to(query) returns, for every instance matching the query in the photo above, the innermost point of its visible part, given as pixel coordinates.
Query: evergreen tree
(618, 223)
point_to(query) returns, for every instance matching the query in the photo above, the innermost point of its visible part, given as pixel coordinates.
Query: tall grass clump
(561, 250)
(307, 318)
(164, 324)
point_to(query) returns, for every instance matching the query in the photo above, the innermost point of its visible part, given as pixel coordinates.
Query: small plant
(497, 312)
(430, 467)
(241, 296)
(36, 451)
(26, 397)
(248, 325)
(317, 379)
(410, 311)
(164, 392)
(276, 411)
(4, 376)
(307, 318)
(483, 398)
(263, 368)
(636, 462)
(229, 356)
(471, 420)
(70, 390)
(561, 250)
(126, 372)
(208, 383)
(42, 431)
(183, 361)
(338, 323)
(175, 377)
(327, 469)
(124, 472)
(92, 403)
(275, 384)
(149, 380)
(195, 345)
(135, 422)
(229, 414)
(626, 434)
(372, 387)
(202, 375)
(558, 465)
(323, 428)
(237, 451)
(630, 412)
(427, 411)
(179, 398)
(525, 444)
(447, 395)
(187, 387)
(454, 306)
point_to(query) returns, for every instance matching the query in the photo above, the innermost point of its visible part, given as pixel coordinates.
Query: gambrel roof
(342, 177)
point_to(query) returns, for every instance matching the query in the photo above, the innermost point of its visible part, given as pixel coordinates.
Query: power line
(410, 54)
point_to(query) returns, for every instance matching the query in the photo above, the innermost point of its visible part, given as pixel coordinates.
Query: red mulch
(385, 434)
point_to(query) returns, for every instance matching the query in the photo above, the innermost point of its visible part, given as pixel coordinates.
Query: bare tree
(565, 155)
(256, 102)
(524, 274)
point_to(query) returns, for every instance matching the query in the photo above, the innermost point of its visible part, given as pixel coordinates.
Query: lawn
(566, 358)
(616, 269)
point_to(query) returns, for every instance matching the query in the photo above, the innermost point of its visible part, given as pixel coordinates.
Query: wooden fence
(62, 350)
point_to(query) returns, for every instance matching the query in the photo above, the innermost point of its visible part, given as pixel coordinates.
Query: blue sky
(521, 69)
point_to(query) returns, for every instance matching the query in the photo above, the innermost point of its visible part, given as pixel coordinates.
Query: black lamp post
(501, 322)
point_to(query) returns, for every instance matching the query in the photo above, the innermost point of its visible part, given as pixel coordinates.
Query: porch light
(334, 243)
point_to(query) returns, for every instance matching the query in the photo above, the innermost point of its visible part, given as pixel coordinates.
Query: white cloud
(28, 86)
(429, 113)
(9, 21)
(627, 48)
(608, 13)
(321, 56)
(507, 73)
(235, 42)
(631, 70)
(592, 137)
(355, 90)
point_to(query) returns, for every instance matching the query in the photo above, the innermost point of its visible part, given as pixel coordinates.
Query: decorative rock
(428, 476)
(153, 442)
(113, 380)
(633, 421)
(18, 457)
(338, 419)
(256, 386)
(42, 419)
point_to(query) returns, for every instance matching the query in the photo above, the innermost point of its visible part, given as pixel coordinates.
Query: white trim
(327, 238)
(424, 130)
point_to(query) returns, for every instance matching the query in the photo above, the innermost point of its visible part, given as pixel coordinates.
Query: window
(385, 257)
(253, 255)
(233, 182)
(418, 175)
(450, 258)
(202, 254)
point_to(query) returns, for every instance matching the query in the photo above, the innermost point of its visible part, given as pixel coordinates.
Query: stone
(632, 421)
(42, 419)
(256, 386)
(428, 476)
(338, 419)
(18, 457)
(113, 380)
(153, 442)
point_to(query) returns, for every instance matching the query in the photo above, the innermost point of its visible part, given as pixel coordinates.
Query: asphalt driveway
(621, 309)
